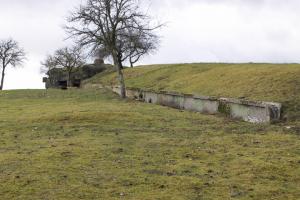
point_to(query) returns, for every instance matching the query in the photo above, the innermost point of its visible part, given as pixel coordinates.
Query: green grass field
(264, 82)
(89, 144)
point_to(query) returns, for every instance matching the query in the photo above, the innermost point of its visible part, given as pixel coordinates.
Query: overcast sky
(196, 31)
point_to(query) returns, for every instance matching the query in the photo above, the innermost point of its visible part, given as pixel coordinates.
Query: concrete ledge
(250, 111)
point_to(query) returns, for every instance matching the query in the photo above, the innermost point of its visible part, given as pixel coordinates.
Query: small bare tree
(47, 67)
(48, 64)
(107, 24)
(10, 55)
(67, 58)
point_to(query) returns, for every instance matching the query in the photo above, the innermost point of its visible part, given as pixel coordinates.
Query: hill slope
(265, 82)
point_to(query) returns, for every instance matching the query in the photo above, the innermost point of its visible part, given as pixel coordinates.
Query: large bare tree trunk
(121, 81)
(2, 78)
(118, 65)
(131, 62)
(69, 79)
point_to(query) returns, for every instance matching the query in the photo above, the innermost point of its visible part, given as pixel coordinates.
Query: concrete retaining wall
(202, 104)
(250, 111)
(91, 86)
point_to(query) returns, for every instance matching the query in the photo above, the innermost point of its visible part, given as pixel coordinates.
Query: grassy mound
(87, 144)
(265, 82)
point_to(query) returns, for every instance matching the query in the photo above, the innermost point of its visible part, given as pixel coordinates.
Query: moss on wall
(224, 108)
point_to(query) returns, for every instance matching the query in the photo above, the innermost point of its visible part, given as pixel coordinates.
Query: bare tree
(10, 55)
(48, 67)
(67, 58)
(107, 24)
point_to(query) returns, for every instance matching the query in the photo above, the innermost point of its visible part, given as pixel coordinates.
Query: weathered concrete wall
(250, 111)
(117, 90)
(203, 104)
(151, 97)
(171, 100)
(91, 86)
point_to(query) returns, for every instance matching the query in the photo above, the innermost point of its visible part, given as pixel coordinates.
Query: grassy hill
(89, 144)
(265, 82)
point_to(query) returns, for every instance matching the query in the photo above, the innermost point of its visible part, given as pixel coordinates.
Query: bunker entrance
(63, 85)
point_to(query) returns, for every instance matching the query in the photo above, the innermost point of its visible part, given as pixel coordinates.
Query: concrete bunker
(63, 85)
(76, 83)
